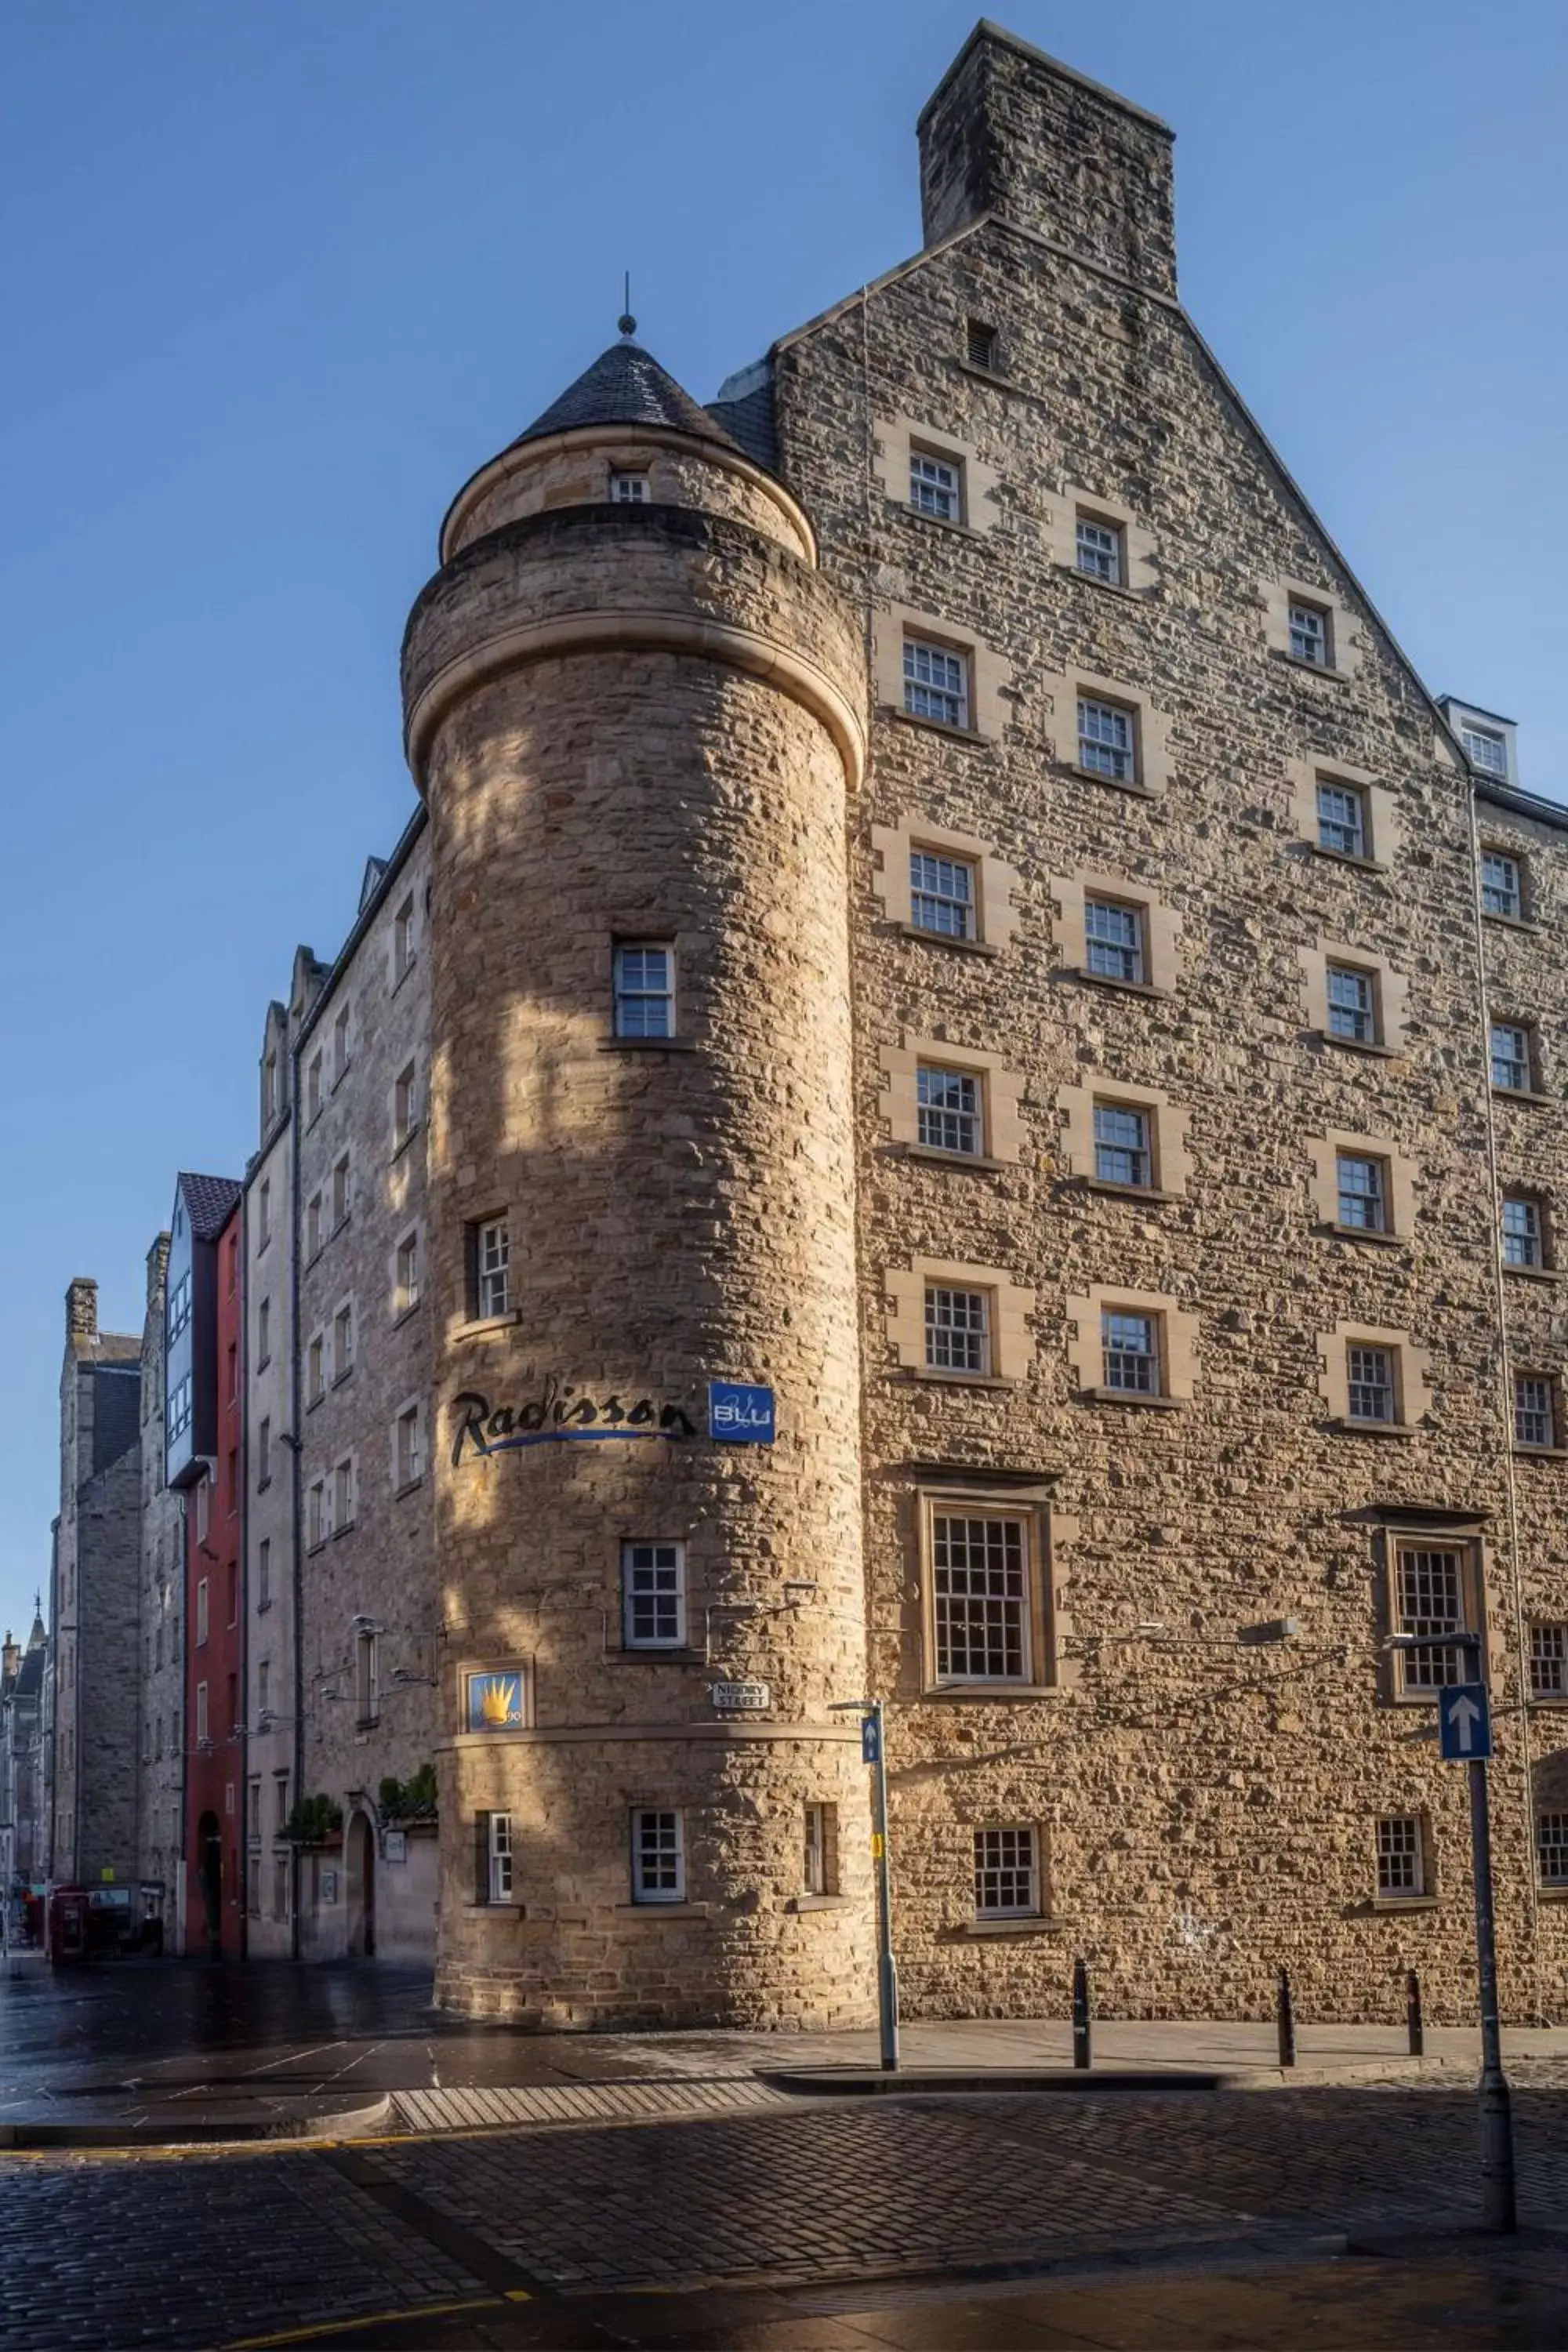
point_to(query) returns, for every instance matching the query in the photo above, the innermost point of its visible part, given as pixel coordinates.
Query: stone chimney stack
(10, 1659)
(157, 1269)
(81, 1311)
(1010, 131)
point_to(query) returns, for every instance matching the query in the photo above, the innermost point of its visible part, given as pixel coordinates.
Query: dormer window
(627, 490)
(1485, 748)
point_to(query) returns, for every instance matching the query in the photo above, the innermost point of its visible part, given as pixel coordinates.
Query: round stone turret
(636, 709)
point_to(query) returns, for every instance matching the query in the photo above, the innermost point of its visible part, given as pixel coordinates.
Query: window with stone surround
(819, 1872)
(1130, 1352)
(1434, 1590)
(263, 1214)
(263, 1334)
(1400, 1860)
(317, 1526)
(936, 682)
(1361, 1193)
(264, 1452)
(645, 988)
(342, 1341)
(936, 486)
(1113, 941)
(958, 1329)
(658, 1856)
(491, 1256)
(343, 1191)
(1535, 1412)
(1511, 1046)
(492, 1858)
(950, 1108)
(1098, 546)
(1107, 740)
(405, 1105)
(1551, 1848)
(1353, 1004)
(313, 1088)
(1354, 1000)
(627, 488)
(653, 1595)
(204, 1601)
(202, 1727)
(404, 944)
(313, 1227)
(1310, 638)
(1523, 1233)
(1124, 1153)
(1308, 625)
(1008, 1873)
(409, 1447)
(1502, 885)
(982, 1610)
(1371, 1388)
(1549, 1660)
(1133, 1347)
(405, 1274)
(340, 1045)
(1344, 811)
(315, 1368)
(264, 1573)
(343, 1494)
(942, 895)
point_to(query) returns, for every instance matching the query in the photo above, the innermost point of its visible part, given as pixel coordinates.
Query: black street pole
(887, 1967)
(1499, 2207)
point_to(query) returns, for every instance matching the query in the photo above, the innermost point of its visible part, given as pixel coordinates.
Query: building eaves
(1531, 804)
(369, 910)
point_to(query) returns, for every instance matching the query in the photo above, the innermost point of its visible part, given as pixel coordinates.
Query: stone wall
(160, 1827)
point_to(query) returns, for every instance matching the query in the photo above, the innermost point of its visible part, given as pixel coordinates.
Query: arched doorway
(360, 1860)
(209, 1874)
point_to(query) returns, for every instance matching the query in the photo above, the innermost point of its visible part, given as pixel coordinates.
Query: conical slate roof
(626, 385)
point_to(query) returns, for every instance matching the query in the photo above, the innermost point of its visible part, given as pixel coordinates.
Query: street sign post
(1465, 1737)
(873, 1751)
(1465, 1724)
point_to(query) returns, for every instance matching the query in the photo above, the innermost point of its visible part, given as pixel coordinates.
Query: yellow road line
(321, 2328)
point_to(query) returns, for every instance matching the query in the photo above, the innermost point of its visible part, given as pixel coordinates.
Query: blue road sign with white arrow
(1464, 1723)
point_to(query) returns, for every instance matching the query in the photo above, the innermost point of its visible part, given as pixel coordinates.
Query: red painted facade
(215, 1641)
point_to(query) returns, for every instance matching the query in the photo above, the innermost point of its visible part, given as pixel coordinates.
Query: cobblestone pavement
(209, 2249)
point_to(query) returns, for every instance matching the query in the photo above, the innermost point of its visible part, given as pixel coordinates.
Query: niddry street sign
(1464, 1723)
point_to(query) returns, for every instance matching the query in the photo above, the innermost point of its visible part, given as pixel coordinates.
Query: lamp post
(873, 1750)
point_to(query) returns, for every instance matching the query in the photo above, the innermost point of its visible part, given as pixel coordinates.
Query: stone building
(23, 1817)
(161, 1751)
(367, 1596)
(272, 1712)
(961, 948)
(93, 1703)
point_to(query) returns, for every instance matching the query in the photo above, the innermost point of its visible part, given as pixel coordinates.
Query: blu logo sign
(739, 1415)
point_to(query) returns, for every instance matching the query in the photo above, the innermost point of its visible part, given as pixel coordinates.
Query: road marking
(318, 2328)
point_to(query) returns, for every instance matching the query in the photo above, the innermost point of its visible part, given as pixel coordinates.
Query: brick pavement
(206, 2248)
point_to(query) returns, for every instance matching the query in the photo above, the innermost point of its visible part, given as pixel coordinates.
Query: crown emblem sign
(498, 1701)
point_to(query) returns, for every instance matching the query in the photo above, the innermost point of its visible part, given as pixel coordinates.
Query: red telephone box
(69, 1917)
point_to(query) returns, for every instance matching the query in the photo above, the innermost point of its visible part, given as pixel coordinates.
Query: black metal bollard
(1081, 2039)
(1413, 2020)
(1287, 2022)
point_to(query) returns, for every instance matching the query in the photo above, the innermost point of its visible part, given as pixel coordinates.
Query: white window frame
(1331, 820)
(1117, 1353)
(1522, 1060)
(1552, 1838)
(314, 1228)
(313, 1089)
(946, 887)
(492, 1267)
(367, 1675)
(344, 1493)
(1108, 740)
(1425, 1614)
(318, 1521)
(983, 1592)
(1535, 1410)
(659, 1834)
(405, 945)
(315, 1368)
(1311, 631)
(817, 1865)
(405, 1271)
(1005, 1854)
(1502, 885)
(644, 1007)
(1113, 1150)
(340, 1044)
(405, 1105)
(1100, 549)
(1524, 1244)
(629, 486)
(950, 1109)
(1362, 1359)
(204, 1611)
(1400, 1846)
(345, 1339)
(1480, 744)
(1359, 1024)
(409, 1446)
(951, 1329)
(937, 686)
(936, 485)
(499, 1858)
(1371, 1196)
(342, 1189)
(645, 1558)
(1123, 959)
(1549, 1659)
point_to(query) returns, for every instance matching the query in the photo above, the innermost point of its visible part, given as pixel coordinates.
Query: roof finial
(626, 323)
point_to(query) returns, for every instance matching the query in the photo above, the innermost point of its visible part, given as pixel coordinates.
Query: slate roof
(210, 1200)
(29, 1679)
(750, 421)
(626, 385)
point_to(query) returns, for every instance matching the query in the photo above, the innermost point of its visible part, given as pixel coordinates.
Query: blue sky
(278, 276)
